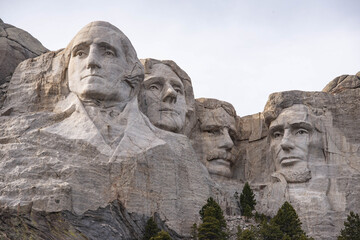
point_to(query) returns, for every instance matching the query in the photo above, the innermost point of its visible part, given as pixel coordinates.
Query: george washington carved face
(100, 58)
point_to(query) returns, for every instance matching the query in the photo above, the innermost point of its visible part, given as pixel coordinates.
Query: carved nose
(169, 94)
(286, 144)
(226, 141)
(93, 60)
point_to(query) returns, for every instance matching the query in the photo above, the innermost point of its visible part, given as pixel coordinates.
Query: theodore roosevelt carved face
(215, 138)
(293, 137)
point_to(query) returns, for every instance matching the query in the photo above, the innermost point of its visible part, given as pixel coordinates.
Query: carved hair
(277, 102)
(210, 103)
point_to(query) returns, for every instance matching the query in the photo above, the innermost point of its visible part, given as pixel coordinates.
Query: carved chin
(170, 123)
(218, 167)
(296, 175)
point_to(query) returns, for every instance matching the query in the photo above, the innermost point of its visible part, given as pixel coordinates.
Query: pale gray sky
(236, 51)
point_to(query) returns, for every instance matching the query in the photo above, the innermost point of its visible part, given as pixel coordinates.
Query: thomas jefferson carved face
(97, 63)
(215, 140)
(163, 98)
(293, 137)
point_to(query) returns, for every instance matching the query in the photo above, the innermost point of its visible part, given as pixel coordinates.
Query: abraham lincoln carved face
(293, 138)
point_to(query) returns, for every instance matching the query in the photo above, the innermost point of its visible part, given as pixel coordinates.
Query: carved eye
(109, 53)
(79, 53)
(213, 131)
(277, 135)
(178, 90)
(153, 87)
(301, 132)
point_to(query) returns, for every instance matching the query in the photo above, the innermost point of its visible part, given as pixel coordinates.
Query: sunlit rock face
(314, 159)
(166, 96)
(94, 141)
(75, 140)
(16, 45)
(215, 135)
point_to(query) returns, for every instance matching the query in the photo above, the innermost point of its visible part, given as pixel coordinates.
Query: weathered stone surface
(343, 83)
(66, 146)
(312, 136)
(80, 160)
(215, 135)
(166, 96)
(16, 45)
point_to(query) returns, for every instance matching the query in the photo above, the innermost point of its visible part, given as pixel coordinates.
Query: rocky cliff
(94, 141)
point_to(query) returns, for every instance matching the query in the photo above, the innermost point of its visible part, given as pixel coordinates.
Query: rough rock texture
(323, 201)
(55, 156)
(16, 45)
(83, 162)
(343, 83)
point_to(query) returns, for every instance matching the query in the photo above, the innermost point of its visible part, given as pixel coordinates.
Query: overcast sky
(236, 51)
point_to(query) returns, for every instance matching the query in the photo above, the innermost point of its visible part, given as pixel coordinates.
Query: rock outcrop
(80, 160)
(16, 45)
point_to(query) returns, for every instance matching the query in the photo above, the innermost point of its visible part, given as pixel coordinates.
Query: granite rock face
(66, 147)
(94, 141)
(16, 45)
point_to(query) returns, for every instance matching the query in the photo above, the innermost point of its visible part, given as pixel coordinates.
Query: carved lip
(165, 109)
(221, 161)
(91, 75)
(289, 160)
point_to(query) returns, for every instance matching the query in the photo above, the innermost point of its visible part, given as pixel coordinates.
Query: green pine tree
(214, 224)
(286, 237)
(194, 232)
(151, 229)
(249, 234)
(288, 221)
(162, 235)
(218, 213)
(210, 228)
(352, 228)
(247, 212)
(239, 232)
(270, 231)
(247, 198)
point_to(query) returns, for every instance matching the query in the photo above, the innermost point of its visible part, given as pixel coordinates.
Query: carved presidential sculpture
(76, 117)
(215, 134)
(166, 96)
(98, 141)
(295, 137)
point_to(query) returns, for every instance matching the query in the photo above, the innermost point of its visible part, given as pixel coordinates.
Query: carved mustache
(228, 156)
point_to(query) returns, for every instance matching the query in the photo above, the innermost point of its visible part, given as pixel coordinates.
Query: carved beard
(296, 175)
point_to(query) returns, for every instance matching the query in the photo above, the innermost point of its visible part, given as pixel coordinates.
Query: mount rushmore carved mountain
(94, 142)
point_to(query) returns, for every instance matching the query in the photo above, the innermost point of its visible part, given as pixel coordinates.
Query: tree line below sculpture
(92, 124)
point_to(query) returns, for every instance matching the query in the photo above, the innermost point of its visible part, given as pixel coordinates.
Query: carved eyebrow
(276, 128)
(152, 80)
(304, 125)
(108, 46)
(209, 127)
(177, 83)
(80, 46)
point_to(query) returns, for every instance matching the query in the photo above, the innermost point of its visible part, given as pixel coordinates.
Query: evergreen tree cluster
(285, 225)
(152, 231)
(351, 229)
